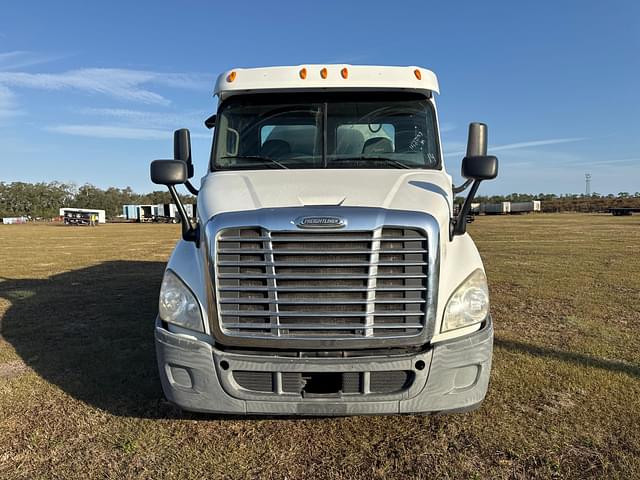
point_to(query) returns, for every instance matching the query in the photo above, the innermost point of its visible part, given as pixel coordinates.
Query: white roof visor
(323, 77)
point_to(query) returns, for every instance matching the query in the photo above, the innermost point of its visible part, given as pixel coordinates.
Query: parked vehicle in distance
(525, 207)
(623, 211)
(501, 208)
(325, 272)
(162, 212)
(82, 216)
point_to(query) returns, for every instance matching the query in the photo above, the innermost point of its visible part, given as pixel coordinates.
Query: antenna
(587, 181)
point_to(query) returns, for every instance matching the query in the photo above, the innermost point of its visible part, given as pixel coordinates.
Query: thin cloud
(121, 84)
(447, 127)
(605, 162)
(537, 143)
(145, 118)
(110, 131)
(23, 58)
(117, 132)
(520, 145)
(7, 103)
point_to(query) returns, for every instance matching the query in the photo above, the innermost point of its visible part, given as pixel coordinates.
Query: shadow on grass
(90, 332)
(572, 357)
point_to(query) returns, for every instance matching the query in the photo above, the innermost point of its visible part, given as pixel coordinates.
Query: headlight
(469, 304)
(177, 304)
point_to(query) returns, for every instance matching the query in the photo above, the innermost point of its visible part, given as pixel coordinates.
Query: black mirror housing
(210, 122)
(483, 167)
(182, 149)
(168, 172)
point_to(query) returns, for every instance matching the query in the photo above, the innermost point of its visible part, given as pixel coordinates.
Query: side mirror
(168, 172)
(210, 122)
(483, 167)
(476, 167)
(182, 149)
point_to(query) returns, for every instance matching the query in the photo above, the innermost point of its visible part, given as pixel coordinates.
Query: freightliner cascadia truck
(326, 272)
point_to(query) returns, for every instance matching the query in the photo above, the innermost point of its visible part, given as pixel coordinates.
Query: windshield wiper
(390, 161)
(257, 158)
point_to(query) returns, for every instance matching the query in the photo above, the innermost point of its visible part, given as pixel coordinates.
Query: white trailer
(189, 209)
(525, 207)
(102, 218)
(166, 212)
(501, 208)
(145, 213)
(14, 220)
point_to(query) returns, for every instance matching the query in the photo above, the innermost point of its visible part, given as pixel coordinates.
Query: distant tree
(45, 199)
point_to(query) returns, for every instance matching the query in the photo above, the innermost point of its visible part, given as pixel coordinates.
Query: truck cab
(326, 272)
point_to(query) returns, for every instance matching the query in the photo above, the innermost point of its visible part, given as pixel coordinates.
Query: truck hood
(423, 190)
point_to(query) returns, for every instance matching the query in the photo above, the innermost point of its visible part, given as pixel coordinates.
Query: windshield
(348, 130)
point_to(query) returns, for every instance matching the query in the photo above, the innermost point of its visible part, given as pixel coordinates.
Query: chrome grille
(342, 285)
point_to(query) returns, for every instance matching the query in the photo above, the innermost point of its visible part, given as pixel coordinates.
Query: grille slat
(224, 276)
(284, 251)
(258, 288)
(333, 301)
(349, 285)
(236, 263)
(328, 326)
(285, 314)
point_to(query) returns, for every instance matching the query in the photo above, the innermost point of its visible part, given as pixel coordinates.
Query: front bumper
(197, 377)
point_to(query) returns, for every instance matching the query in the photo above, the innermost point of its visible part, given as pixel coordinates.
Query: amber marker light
(231, 77)
(303, 73)
(323, 73)
(418, 74)
(345, 73)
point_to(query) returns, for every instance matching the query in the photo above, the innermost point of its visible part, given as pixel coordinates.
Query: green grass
(80, 396)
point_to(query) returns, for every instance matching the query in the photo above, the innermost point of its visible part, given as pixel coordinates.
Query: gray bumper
(455, 377)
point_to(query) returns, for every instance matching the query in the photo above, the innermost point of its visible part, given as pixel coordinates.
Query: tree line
(44, 200)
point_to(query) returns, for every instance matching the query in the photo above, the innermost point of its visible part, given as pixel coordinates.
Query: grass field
(80, 396)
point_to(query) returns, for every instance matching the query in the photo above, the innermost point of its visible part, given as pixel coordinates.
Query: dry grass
(79, 394)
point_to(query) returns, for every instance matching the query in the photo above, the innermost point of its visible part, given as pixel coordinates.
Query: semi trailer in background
(130, 212)
(168, 212)
(525, 207)
(162, 212)
(501, 208)
(82, 216)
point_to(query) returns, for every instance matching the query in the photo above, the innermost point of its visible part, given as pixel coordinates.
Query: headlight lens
(469, 304)
(177, 304)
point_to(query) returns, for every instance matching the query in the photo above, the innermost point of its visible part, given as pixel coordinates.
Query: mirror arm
(189, 233)
(462, 187)
(193, 190)
(459, 224)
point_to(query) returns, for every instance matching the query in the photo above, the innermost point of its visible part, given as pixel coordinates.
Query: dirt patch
(12, 369)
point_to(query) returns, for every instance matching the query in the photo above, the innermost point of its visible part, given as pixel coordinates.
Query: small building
(66, 211)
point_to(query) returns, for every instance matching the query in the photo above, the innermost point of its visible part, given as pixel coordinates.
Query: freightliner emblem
(320, 221)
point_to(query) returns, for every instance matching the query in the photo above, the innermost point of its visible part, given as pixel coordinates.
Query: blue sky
(91, 91)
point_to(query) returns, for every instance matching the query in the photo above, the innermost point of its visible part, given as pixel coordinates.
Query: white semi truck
(325, 272)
